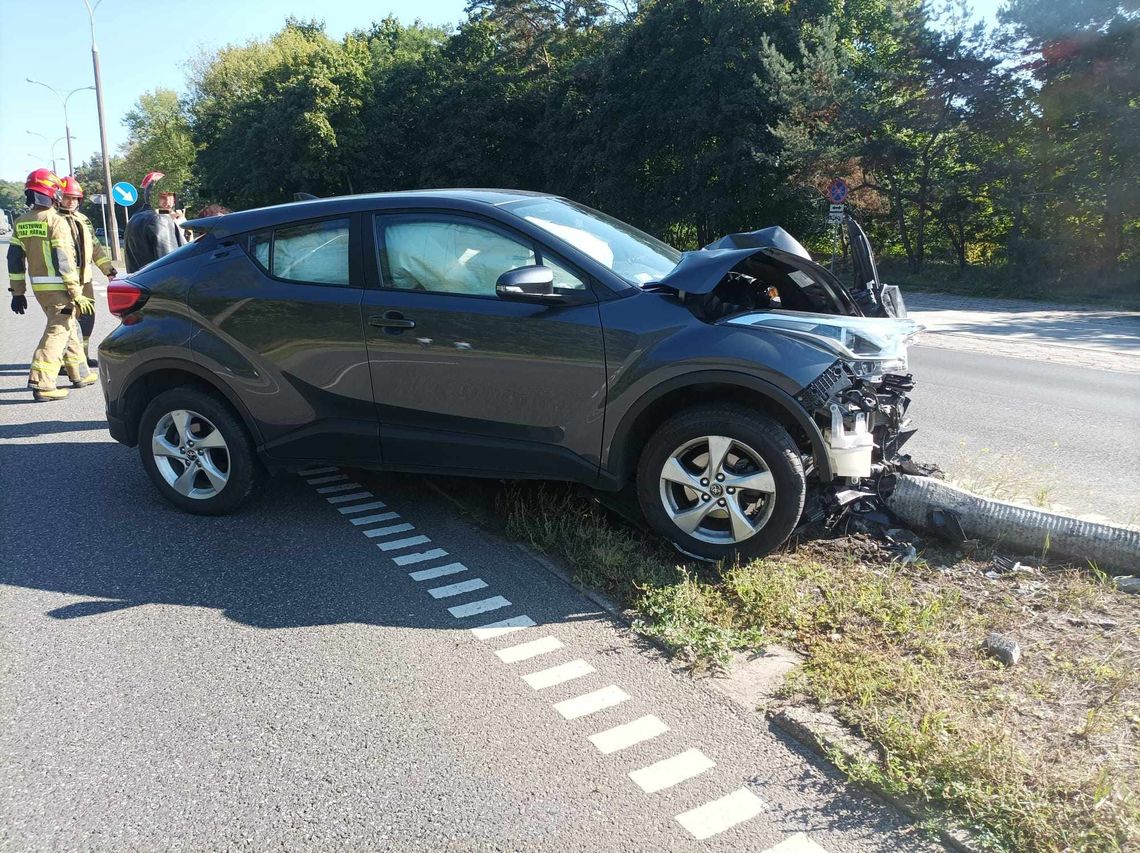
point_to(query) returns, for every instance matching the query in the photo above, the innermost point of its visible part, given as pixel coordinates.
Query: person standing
(153, 233)
(88, 250)
(43, 251)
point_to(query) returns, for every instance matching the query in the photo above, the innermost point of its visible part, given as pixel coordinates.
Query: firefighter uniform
(88, 251)
(42, 249)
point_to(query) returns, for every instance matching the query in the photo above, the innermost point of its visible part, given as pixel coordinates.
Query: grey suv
(508, 334)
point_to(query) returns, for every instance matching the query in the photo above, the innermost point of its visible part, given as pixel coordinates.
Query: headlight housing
(871, 345)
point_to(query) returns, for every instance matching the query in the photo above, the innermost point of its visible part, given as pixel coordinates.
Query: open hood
(766, 260)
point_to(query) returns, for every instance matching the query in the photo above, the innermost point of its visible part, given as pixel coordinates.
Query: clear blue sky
(145, 44)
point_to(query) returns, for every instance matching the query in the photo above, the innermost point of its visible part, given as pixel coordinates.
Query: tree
(159, 140)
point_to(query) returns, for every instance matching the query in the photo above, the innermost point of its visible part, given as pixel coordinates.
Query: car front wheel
(197, 452)
(722, 481)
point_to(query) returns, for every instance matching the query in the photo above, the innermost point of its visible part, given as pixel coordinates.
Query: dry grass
(1041, 756)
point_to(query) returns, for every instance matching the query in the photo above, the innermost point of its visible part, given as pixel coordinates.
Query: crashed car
(507, 334)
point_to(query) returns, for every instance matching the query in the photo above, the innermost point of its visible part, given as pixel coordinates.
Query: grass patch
(1041, 756)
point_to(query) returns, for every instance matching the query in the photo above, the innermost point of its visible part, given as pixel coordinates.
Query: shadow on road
(39, 428)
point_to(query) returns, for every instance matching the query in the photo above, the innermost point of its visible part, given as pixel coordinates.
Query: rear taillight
(123, 297)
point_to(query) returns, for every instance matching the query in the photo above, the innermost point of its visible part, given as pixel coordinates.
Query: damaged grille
(820, 390)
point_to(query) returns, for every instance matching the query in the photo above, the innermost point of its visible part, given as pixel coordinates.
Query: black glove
(19, 304)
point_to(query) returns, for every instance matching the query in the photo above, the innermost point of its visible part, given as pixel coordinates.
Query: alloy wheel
(717, 489)
(191, 454)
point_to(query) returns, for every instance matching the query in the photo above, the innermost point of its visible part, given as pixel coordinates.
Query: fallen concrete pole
(1112, 549)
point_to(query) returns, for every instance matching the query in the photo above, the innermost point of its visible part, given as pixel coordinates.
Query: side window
(316, 252)
(448, 256)
(563, 278)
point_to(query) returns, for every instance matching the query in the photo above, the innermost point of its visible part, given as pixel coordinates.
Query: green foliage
(695, 118)
(12, 197)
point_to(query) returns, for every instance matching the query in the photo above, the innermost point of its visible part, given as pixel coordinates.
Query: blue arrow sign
(124, 194)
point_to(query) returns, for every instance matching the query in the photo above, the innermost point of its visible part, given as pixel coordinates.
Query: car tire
(197, 452)
(761, 474)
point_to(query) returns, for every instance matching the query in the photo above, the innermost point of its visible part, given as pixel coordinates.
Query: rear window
(310, 253)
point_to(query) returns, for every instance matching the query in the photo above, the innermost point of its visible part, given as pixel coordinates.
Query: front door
(466, 381)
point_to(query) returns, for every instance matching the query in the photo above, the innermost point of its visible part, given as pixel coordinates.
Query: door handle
(391, 320)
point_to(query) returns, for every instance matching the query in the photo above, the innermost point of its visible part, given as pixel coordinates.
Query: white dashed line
(437, 572)
(355, 496)
(397, 544)
(525, 651)
(457, 588)
(741, 805)
(320, 481)
(590, 703)
(389, 530)
(672, 771)
(622, 737)
(419, 557)
(312, 472)
(503, 627)
(559, 674)
(473, 608)
(374, 519)
(348, 510)
(343, 487)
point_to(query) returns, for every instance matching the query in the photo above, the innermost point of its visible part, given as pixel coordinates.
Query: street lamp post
(52, 144)
(63, 99)
(115, 253)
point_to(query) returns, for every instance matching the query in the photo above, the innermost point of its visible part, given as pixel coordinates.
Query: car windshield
(634, 255)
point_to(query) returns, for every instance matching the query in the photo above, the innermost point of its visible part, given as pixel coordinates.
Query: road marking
(373, 519)
(397, 544)
(312, 472)
(340, 499)
(437, 572)
(525, 651)
(343, 487)
(322, 480)
(624, 736)
(559, 674)
(502, 627)
(741, 805)
(590, 703)
(473, 608)
(419, 557)
(671, 771)
(457, 588)
(389, 530)
(348, 510)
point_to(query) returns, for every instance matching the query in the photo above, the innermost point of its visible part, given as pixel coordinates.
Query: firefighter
(87, 249)
(42, 250)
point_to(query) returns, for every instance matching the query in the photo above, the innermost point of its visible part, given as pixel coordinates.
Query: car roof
(266, 217)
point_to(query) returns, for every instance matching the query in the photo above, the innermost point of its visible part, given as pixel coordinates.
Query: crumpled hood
(699, 272)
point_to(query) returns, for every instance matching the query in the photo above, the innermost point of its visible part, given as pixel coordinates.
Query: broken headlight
(871, 345)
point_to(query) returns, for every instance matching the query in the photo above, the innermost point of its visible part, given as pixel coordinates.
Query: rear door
(283, 328)
(464, 380)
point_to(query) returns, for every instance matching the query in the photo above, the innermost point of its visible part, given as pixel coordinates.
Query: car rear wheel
(722, 481)
(197, 452)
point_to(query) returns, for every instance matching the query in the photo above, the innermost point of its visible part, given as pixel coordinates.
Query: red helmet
(71, 186)
(45, 182)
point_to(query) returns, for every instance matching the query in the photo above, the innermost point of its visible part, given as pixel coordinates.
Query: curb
(1116, 549)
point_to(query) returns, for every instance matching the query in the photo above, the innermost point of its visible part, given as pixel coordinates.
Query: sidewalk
(1065, 334)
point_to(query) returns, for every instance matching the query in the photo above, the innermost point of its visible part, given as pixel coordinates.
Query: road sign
(124, 194)
(836, 213)
(98, 198)
(837, 191)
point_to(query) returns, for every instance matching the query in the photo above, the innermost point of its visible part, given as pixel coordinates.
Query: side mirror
(527, 284)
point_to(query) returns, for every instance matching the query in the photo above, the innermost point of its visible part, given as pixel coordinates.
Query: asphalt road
(278, 679)
(1018, 427)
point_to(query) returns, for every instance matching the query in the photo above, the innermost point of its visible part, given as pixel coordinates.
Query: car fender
(616, 460)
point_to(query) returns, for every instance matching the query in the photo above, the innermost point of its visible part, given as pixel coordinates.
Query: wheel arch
(707, 386)
(162, 375)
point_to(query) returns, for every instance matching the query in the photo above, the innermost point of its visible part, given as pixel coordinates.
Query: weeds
(1042, 756)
